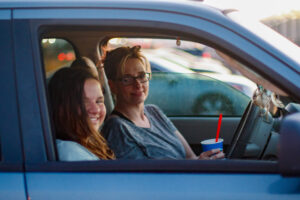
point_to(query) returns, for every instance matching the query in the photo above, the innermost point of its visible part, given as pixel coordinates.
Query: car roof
(182, 6)
(93, 3)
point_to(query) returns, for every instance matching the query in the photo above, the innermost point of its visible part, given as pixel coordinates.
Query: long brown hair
(66, 93)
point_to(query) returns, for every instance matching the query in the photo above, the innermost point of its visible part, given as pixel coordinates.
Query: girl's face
(94, 102)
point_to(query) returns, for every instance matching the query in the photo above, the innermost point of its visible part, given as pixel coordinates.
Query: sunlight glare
(258, 9)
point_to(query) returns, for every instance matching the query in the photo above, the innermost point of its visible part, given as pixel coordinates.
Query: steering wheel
(252, 133)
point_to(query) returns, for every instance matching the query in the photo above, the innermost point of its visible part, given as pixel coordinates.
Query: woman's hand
(211, 155)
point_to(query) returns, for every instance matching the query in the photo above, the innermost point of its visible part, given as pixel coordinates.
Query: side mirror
(289, 146)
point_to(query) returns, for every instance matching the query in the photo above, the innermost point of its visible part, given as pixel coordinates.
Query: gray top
(72, 151)
(129, 141)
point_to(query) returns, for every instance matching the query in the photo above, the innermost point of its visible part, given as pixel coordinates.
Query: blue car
(262, 142)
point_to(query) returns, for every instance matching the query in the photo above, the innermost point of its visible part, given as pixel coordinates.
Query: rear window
(57, 53)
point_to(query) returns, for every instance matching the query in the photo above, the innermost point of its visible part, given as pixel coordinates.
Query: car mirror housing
(289, 146)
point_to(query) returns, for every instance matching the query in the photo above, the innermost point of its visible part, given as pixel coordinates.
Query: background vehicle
(29, 165)
(187, 60)
(209, 68)
(194, 94)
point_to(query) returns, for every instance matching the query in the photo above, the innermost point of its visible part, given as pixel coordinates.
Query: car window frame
(11, 157)
(236, 166)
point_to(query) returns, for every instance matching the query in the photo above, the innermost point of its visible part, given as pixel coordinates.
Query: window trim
(157, 166)
(140, 166)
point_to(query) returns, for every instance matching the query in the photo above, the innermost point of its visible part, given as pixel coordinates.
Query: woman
(78, 111)
(135, 130)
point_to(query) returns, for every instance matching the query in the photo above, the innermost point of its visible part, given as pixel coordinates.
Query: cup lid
(211, 141)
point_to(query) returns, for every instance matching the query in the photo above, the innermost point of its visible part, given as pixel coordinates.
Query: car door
(12, 180)
(48, 178)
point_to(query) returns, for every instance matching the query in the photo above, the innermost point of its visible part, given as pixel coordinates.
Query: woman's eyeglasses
(129, 80)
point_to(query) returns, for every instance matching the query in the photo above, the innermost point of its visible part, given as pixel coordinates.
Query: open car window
(193, 76)
(57, 53)
(197, 95)
(190, 82)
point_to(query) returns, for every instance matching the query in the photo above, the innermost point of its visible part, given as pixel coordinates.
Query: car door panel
(12, 184)
(160, 186)
(194, 132)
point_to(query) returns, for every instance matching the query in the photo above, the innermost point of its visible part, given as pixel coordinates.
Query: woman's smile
(94, 103)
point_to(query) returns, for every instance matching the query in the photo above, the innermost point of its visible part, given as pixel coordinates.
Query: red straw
(219, 127)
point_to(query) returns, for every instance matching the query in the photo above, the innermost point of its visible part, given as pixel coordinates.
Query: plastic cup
(210, 144)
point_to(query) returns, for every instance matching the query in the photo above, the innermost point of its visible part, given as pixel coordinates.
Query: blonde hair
(114, 63)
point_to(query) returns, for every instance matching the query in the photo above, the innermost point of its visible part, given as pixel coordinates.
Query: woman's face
(136, 92)
(94, 102)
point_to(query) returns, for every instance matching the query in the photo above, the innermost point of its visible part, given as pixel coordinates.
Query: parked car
(255, 168)
(162, 65)
(196, 94)
(189, 61)
(239, 82)
(207, 96)
(242, 84)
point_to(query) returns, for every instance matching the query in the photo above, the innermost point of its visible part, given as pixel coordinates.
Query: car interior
(250, 133)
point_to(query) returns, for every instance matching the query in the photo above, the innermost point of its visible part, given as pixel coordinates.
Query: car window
(192, 68)
(194, 94)
(190, 83)
(57, 53)
(193, 76)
